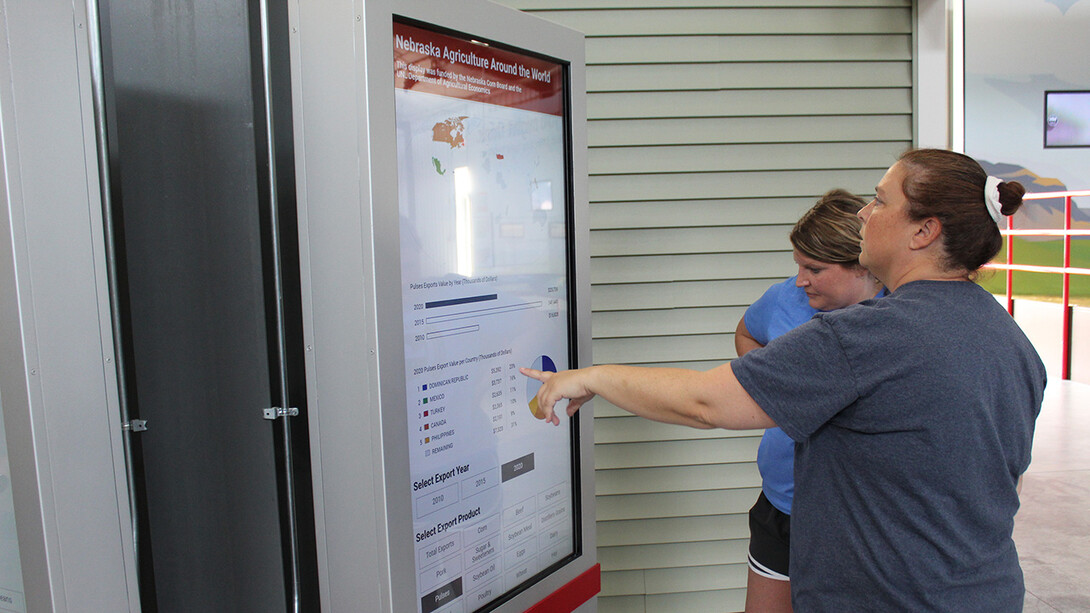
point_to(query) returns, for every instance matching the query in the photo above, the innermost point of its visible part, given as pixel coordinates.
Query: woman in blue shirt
(825, 242)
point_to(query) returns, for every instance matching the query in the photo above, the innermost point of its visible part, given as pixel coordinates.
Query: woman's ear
(927, 232)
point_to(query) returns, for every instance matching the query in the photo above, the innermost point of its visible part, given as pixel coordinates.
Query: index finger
(540, 375)
(537, 409)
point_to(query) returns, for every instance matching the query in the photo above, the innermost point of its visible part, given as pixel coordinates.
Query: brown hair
(950, 187)
(829, 231)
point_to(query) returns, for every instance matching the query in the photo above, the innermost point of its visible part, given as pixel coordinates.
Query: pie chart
(544, 363)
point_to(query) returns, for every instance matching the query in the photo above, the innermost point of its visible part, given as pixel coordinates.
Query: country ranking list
(446, 392)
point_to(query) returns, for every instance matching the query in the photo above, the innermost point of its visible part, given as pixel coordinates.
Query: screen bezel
(375, 101)
(1046, 128)
(570, 283)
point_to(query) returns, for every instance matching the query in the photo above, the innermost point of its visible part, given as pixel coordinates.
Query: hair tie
(991, 198)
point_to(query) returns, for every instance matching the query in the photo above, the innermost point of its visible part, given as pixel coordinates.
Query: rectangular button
(522, 572)
(489, 526)
(518, 511)
(516, 532)
(553, 536)
(554, 555)
(440, 573)
(518, 555)
(441, 596)
(480, 482)
(433, 501)
(481, 550)
(485, 595)
(438, 550)
(517, 467)
(482, 575)
(554, 514)
(554, 494)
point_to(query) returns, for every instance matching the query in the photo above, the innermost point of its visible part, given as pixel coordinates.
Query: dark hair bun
(1010, 196)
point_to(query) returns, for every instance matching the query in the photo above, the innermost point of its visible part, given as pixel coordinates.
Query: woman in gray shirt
(913, 414)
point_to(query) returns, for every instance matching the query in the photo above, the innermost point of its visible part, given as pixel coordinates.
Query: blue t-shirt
(914, 417)
(781, 308)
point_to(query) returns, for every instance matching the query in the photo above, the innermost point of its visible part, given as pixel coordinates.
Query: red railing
(1065, 271)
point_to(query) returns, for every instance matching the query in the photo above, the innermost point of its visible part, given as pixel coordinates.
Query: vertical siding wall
(713, 126)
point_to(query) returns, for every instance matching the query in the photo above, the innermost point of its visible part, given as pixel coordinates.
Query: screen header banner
(429, 62)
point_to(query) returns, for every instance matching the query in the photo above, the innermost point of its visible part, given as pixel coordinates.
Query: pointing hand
(556, 386)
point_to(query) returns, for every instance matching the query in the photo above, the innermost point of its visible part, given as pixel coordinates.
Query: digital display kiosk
(441, 154)
(483, 202)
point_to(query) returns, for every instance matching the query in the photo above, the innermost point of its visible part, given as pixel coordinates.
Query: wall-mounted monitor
(1067, 119)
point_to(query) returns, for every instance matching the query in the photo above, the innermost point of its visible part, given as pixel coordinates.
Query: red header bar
(426, 61)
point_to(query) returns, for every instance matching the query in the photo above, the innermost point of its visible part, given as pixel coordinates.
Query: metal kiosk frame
(346, 168)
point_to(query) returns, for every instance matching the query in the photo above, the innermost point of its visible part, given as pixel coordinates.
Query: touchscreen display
(1067, 119)
(483, 202)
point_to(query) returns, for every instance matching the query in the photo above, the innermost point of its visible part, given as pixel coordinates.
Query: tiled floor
(1052, 529)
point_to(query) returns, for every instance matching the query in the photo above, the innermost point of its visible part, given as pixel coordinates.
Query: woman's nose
(864, 212)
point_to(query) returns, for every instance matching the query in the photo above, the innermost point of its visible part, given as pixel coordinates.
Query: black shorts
(769, 540)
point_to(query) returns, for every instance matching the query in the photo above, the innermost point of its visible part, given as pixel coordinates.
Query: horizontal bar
(1045, 232)
(453, 331)
(1050, 269)
(454, 301)
(1047, 195)
(482, 312)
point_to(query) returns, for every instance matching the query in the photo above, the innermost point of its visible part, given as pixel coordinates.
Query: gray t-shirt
(914, 416)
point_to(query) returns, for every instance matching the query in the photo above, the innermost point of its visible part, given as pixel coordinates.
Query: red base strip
(572, 595)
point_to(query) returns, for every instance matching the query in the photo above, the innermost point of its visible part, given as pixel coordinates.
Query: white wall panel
(637, 296)
(624, 582)
(669, 530)
(707, 320)
(620, 427)
(668, 453)
(779, 129)
(713, 239)
(722, 158)
(719, 600)
(700, 212)
(657, 268)
(671, 554)
(664, 349)
(695, 579)
(676, 478)
(744, 20)
(649, 77)
(742, 103)
(733, 184)
(745, 48)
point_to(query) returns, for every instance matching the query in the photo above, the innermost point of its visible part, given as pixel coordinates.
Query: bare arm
(743, 340)
(712, 399)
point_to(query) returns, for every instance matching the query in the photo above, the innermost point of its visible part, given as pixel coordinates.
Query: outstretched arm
(712, 399)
